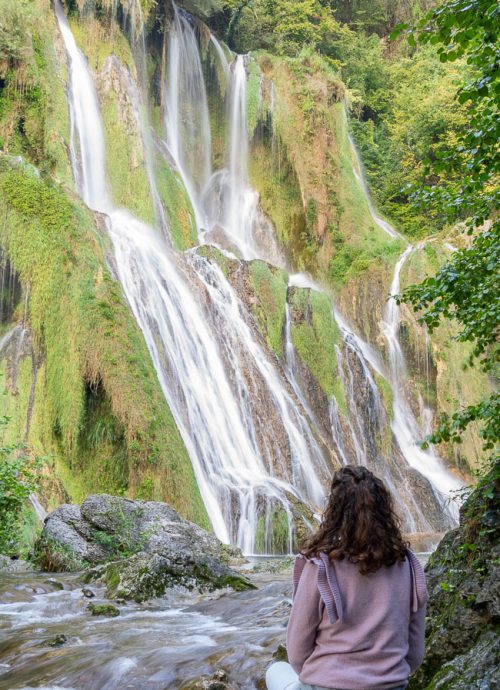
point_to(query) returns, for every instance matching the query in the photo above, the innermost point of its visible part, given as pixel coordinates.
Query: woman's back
(358, 614)
(376, 639)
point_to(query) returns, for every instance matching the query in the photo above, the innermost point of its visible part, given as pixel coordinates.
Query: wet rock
(275, 566)
(55, 584)
(219, 681)
(108, 527)
(147, 575)
(281, 653)
(138, 549)
(57, 640)
(103, 610)
(88, 593)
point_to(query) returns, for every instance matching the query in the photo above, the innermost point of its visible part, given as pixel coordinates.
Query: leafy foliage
(19, 476)
(467, 29)
(15, 43)
(466, 289)
(283, 26)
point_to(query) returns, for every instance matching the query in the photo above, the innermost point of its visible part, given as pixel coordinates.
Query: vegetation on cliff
(99, 407)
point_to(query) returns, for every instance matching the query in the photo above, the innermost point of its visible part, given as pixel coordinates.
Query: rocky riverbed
(50, 639)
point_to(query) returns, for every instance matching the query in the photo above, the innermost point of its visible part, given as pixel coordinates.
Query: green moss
(314, 336)
(103, 610)
(180, 214)
(34, 120)
(386, 393)
(99, 407)
(127, 175)
(303, 169)
(438, 365)
(126, 165)
(280, 196)
(254, 103)
(213, 254)
(98, 41)
(339, 395)
(270, 286)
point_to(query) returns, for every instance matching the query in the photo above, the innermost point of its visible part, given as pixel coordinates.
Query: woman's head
(359, 522)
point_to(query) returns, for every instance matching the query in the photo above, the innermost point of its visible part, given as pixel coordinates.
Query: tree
(284, 26)
(466, 288)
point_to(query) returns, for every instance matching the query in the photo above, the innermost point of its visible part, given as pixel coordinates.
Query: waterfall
(354, 441)
(250, 432)
(238, 470)
(226, 206)
(357, 169)
(405, 425)
(186, 111)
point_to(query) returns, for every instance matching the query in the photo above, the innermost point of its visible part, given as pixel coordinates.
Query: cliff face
(462, 635)
(80, 383)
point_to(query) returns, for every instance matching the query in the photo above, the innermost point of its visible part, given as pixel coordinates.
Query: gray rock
(108, 527)
(218, 681)
(88, 593)
(13, 565)
(137, 548)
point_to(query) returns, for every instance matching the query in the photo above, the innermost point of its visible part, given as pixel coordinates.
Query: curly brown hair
(359, 523)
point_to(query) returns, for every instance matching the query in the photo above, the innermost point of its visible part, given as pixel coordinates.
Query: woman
(358, 614)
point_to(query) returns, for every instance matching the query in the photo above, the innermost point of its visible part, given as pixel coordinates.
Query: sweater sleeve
(305, 617)
(416, 636)
(415, 654)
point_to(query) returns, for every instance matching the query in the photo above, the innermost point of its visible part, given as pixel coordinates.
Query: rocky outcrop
(462, 637)
(148, 575)
(138, 549)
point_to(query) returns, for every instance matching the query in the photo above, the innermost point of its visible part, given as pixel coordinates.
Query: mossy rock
(462, 634)
(146, 576)
(107, 610)
(269, 285)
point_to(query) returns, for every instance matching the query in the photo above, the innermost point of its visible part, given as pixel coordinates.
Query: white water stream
(226, 206)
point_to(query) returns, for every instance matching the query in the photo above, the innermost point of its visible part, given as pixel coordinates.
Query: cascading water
(405, 425)
(236, 470)
(226, 206)
(245, 421)
(358, 174)
(186, 112)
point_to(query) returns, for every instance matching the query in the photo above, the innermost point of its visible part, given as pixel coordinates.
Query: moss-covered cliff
(462, 634)
(79, 384)
(97, 408)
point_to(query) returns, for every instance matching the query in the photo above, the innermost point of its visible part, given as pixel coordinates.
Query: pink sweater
(357, 632)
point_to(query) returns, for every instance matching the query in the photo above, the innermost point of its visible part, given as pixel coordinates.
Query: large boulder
(137, 548)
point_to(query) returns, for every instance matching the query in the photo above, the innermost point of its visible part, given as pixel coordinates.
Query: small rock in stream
(57, 640)
(103, 610)
(55, 584)
(219, 681)
(88, 593)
